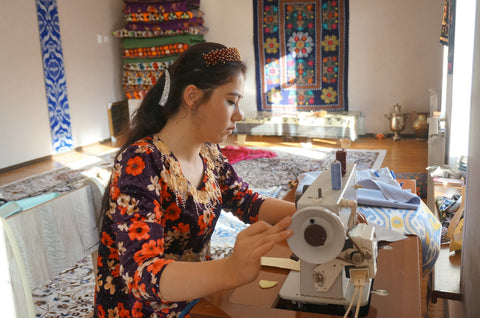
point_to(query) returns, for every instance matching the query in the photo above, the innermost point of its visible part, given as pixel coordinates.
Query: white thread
(166, 89)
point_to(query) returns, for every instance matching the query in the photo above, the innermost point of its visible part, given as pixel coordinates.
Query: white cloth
(379, 188)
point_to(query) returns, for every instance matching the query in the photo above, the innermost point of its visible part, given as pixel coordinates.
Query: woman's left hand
(253, 243)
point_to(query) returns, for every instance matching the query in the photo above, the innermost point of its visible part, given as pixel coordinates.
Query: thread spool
(336, 172)
(341, 155)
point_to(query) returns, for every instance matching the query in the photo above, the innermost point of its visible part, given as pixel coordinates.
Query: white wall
(24, 126)
(92, 74)
(230, 22)
(394, 53)
(394, 57)
(92, 64)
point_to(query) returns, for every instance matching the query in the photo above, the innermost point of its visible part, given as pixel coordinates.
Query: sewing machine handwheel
(318, 235)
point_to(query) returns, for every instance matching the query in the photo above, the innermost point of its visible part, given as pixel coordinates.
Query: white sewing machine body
(329, 244)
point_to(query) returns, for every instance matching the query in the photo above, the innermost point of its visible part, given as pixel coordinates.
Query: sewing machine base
(291, 291)
(330, 310)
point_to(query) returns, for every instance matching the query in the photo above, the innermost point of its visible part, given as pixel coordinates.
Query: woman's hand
(251, 244)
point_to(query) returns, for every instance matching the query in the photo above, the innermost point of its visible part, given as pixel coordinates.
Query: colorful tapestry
(301, 54)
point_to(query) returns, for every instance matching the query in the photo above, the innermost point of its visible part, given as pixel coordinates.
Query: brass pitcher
(397, 121)
(420, 126)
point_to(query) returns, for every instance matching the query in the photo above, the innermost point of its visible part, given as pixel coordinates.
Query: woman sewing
(169, 184)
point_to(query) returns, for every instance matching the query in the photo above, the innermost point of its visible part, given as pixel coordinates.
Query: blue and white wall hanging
(54, 72)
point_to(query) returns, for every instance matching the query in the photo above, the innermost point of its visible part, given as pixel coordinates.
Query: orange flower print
(114, 192)
(139, 231)
(173, 212)
(100, 311)
(158, 265)
(158, 210)
(99, 261)
(204, 221)
(150, 249)
(122, 312)
(182, 227)
(164, 190)
(143, 146)
(106, 239)
(113, 254)
(137, 310)
(135, 166)
(114, 268)
(135, 286)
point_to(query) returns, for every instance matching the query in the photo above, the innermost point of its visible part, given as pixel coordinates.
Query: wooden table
(398, 272)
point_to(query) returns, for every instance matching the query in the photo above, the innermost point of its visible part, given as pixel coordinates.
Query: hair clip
(224, 55)
(166, 89)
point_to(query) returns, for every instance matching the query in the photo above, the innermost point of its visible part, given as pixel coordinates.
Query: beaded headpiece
(224, 55)
(166, 89)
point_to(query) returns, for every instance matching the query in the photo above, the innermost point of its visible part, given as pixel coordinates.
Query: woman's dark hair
(189, 68)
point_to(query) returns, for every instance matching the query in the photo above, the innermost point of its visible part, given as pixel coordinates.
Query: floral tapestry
(301, 50)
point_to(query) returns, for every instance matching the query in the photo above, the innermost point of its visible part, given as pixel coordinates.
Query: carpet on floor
(71, 293)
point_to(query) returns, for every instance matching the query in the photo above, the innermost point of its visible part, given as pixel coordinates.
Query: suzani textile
(301, 54)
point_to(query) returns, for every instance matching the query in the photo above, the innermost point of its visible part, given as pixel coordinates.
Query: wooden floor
(407, 155)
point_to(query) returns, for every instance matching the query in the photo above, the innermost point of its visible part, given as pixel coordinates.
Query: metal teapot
(397, 121)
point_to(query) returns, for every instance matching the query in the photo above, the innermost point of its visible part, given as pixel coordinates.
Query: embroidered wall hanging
(54, 74)
(301, 50)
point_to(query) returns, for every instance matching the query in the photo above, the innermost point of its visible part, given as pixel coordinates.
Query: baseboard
(26, 163)
(45, 158)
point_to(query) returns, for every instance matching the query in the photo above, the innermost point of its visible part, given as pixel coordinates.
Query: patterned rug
(71, 293)
(301, 52)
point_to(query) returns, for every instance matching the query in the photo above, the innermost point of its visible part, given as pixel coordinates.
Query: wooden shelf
(446, 272)
(446, 276)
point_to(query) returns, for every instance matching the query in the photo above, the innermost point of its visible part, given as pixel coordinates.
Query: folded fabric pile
(155, 33)
(379, 188)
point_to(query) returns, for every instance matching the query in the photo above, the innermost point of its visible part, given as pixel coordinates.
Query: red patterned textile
(160, 7)
(169, 25)
(157, 51)
(162, 17)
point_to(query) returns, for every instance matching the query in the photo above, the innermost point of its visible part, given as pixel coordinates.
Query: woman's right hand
(253, 243)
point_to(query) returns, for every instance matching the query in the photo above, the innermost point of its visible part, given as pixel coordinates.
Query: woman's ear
(191, 96)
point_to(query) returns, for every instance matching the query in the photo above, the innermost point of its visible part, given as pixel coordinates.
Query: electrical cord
(351, 302)
(358, 302)
(359, 277)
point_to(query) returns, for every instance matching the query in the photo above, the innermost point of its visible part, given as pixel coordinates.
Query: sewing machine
(337, 256)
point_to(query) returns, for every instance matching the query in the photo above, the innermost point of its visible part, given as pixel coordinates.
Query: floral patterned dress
(157, 217)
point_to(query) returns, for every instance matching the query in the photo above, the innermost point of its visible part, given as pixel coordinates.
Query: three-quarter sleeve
(237, 197)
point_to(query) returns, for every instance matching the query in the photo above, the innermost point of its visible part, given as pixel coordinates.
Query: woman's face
(216, 118)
